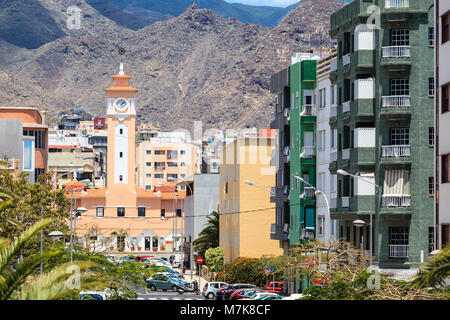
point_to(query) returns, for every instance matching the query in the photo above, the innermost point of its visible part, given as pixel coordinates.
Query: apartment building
(169, 155)
(326, 228)
(246, 211)
(385, 126)
(302, 151)
(442, 129)
(24, 137)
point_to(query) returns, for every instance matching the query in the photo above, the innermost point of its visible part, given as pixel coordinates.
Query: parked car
(275, 286)
(294, 296)
(170, 270)
(245, 293)
(92, 295)
(159, 281)
(211, 288)
(127, 259)
(112, 259)
(176, 260)
(170, 274)
(139, 258)
(271, 297)
(157, 262)
(261, 295)
(226, 292)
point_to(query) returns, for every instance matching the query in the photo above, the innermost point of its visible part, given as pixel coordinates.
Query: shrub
(214, 258)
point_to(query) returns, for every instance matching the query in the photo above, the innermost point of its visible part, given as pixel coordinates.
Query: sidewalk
(187, 276)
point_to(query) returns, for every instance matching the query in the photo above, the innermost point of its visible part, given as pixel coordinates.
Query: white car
(157, 262)
(294, 296)
(259, 295)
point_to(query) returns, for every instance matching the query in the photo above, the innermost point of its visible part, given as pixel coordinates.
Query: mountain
(196, 66)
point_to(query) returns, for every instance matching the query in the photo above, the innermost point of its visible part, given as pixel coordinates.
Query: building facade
(384, 123)
(245, 210)
(442, 129)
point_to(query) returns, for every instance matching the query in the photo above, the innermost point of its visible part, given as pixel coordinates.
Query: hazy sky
(273, 3)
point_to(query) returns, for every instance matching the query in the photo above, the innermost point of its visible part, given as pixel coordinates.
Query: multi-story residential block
(24, 137)
(442, 129)
(170, 155)
(246, 211)
(302, 150)
(325, 149)
(383, 121)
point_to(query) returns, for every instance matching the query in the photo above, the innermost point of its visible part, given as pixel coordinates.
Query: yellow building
(246, 211)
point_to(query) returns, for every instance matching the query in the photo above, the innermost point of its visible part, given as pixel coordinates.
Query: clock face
(121, 104)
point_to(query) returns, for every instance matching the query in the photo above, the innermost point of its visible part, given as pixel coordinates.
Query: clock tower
(121, 119)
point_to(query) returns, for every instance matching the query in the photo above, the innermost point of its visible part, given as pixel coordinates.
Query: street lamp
(258, 186)
(71, 213)
(345, 173)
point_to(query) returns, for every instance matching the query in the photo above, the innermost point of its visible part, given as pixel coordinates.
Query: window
(172, 164)
(159, 175)
(431, 87)
(182, 152)
(445, 24)
(431, 136)
(121, 178)
(182, 164)
(322, 140)
(431, 186)
(182, 175)
(399, 136)
(445, 168)
(430, 239)
(121, 131)
(399, 87)
(148, 187)
(148, 151)
(179, 213)
(163, 213)
(120, 211)
(431, 36)
(28, 155)
(333, 94)
(445, 101)
(100, 212)
(38, 137)
(400, 37)
(172, 175)
(121, 154)
(148, 175)
(398, 235)
(160, 151)
(333, 138)
(141, 211)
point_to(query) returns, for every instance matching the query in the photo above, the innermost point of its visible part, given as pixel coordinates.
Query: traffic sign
(199, 260)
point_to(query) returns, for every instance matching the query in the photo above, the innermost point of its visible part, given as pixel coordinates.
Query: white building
(326, 149)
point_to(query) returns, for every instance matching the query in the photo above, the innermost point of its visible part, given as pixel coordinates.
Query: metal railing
(308, 152)
(308, 193)
(308, 110)
(396, 101)
(396, 201)
(397, 52)
(388, 4)
(398, 251)
(400, 151)
(346, 106)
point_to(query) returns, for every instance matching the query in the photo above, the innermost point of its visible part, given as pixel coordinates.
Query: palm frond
(435, 271)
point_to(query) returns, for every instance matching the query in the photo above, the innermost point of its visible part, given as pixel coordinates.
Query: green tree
(20, 281)
(121, 235)
(209, 236)
(434, 272)
(21, 207)
(214, 258)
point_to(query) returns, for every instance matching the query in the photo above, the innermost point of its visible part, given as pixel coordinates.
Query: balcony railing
(388, 4)
(346, 106)
(396, 201)
(346, 154)
(307, 152)
(398, 251)
(160, 168)
(346, 60)
(402, 151)
(333, 110)
(345, 202)
(397, 52)
(333, 156)
(396, 101)
(333, 66)
(308, 193)
(333, 203)
(308, 110)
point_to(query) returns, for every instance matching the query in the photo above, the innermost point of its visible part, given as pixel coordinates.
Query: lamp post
(345, 173)
(316, 192)
(71, 214)
(250, 183)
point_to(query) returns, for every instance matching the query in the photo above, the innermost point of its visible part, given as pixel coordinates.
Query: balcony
(346, 107)
(160, 168)
(279, 231)
(286, 154)
(333, 156)
(346, 154)
(396, 101)
(389, 4)
(308, 152)
(396, 201)
(346, 60)
(333, 110)
(345, 202)
(399, 151)
(333, 65)
(397, 52)
(333, 203)
(308, 110)
(396, 107)
(398, 251)
(308, 193)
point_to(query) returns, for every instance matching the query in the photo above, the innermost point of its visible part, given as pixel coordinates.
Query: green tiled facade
(401, 66)
(302, 81)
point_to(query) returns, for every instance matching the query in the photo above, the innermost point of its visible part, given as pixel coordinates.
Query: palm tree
(19, 283)
(209, 236)
(121, 235)
(434, 272)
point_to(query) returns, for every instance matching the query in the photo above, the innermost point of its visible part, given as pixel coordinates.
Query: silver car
(211, 288)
